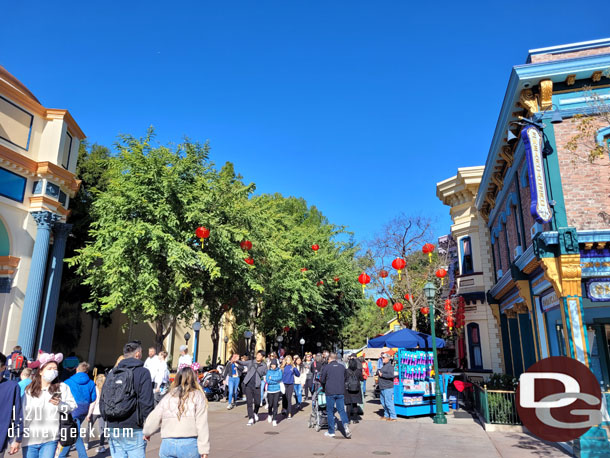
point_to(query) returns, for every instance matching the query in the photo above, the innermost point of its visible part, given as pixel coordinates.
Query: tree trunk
(414, 317)
(215, 339)
(161, 333)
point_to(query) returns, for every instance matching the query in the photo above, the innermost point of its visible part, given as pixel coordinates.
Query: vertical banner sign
(540, 207)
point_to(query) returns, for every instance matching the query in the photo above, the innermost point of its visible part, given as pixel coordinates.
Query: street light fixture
(196, 328)
(187, 336)
(226, 341)
(439, 418)
(302, 342)
(248, 336)
(279, 339)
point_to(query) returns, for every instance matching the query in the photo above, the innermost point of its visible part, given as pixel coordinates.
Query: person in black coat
(353, 390)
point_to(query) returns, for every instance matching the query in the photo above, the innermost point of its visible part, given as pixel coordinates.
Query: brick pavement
(413, 437)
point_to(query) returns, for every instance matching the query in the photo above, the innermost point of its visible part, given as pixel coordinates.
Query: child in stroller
(212, 385)
(318, 418)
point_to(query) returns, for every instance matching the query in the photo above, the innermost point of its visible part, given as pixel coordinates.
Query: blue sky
(360, 107)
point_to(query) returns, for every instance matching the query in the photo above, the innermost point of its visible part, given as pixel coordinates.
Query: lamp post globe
(439, 417)
(248, 336)
(302, 342)
(187, 336)
(226, 341)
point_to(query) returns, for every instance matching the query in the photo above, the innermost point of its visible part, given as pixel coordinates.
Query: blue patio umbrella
(405, 338)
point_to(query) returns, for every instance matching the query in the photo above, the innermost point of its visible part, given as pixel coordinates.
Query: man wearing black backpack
(332, 378)
(126, 400)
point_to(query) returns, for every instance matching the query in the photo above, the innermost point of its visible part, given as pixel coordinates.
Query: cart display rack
(414, 384)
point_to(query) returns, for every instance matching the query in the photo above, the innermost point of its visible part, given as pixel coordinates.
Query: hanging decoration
(315, 247)
(425, 310)
(336, 279)
(397, 306)
(364, 280)
(428, 249)
(246, 245)
(461, 320)
(383, 273)
(399, 264)
(409, 297)
(321, 282)
(249, 261)
(382, 302)
(449, 311)
(286, 328)
(441, 273)
(303, 270)
(202, 233)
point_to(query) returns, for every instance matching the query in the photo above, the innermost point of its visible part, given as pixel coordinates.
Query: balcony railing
(495, 406)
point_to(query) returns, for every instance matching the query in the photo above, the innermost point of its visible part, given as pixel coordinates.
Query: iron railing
(495, 406)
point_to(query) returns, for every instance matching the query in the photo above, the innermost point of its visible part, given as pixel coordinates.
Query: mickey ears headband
(50, 358)
(195, 366)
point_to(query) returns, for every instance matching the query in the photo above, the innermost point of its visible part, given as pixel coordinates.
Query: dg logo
(559, 399)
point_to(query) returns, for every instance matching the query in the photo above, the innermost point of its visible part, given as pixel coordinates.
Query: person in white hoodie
(161, 377)
(44, 399)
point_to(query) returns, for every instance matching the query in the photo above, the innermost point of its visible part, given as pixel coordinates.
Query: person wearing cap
(185, 358)
(11, 414)
(45, 398)
(386, 388)
(256, 370)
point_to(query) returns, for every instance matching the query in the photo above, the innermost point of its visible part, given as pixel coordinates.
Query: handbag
(282, 388)
(68, 430)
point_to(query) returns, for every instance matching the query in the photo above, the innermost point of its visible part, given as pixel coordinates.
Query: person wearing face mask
(45, 398)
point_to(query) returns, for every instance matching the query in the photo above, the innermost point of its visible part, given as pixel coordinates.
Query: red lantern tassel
(399, 272)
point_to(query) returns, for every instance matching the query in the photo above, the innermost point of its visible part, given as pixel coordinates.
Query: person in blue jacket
(83, 390)
(288, 373)
(11, 413)
(273, 378)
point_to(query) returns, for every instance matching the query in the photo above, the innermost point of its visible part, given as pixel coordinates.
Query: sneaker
(250, 422)
(101, 449)
(327, 434)
(274, 423)
(269, 419)
(255, 417)
(230, 406)
(289, 417)
(348, 433)
(392, 419)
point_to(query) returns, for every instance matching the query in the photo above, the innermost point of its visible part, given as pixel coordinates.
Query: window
(52, 190)
(37, 187)
(65, 161)
(15, 124)
(62, 198)
(466, 251)
(474, 346)
(12, 185)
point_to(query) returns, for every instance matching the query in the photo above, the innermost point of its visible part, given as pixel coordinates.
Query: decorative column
(60, 231)
(34, 290)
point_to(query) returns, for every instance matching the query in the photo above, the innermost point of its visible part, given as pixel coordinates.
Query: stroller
(212, 385)
(318, 418)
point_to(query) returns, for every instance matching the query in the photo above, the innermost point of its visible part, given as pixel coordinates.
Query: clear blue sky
(360, 107)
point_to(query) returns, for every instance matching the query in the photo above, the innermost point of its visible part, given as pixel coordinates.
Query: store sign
(599, 290)
(540, 208)
(549, 301)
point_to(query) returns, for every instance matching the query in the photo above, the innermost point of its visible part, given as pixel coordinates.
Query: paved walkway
(413, 437)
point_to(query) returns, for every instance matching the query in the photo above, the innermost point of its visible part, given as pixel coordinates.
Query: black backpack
(118, 399)
(352, 384)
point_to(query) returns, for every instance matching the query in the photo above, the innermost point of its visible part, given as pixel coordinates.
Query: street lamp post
(196, 328)
(248, 336)
(226, 340)
(279, 344)
(439, 418)
(319, 345)
(302, 342)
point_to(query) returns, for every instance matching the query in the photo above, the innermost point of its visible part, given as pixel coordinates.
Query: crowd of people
(42, 411)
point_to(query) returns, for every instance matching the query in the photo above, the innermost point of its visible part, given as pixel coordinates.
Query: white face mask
(50, 375)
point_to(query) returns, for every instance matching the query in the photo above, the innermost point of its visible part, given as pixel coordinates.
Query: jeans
(253, 399)
(363, 388)
(127, 445)
(80, 445)
(179, 447)
(233, 385)
(44, 450)
(102, 424)
(298, 391)
(387, 401)
(339, 401)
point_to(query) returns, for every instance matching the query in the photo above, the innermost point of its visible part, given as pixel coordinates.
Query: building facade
(470, 276)
(38, 154)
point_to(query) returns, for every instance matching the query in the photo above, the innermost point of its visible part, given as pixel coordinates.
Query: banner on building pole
(540, 208)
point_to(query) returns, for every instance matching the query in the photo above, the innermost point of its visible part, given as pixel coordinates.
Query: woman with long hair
(353, 389)
(308, 375)
(288, 373)
(94, 415)
(182, 417)
(45, 399)
(299, 381)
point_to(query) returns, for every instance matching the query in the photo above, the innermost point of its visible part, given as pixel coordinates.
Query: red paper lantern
(303, 270)
(409, 297)
(249, 261)
(382, 302)
(336, 279)
(364, 279)
(286, 328)
(447, 304)
(315, 247)
(202, 233)
(321, 282)
(428, 249)
(383, 273)
(425, 310)
(246, 245)
(397, 306)
(441, 273)
(399, 264)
